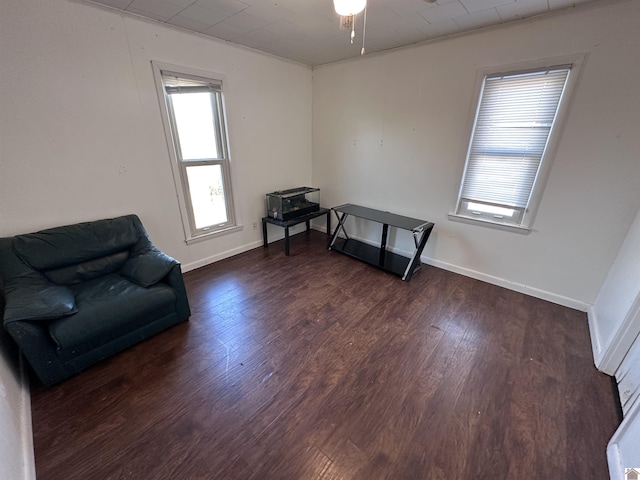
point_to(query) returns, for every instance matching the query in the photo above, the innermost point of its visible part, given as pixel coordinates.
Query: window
(515, 118)
(195, 124)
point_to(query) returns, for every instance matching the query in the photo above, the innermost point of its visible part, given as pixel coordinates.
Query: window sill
(209, 235)
(488, 223)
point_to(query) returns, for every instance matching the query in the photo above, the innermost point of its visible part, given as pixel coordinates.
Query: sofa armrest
(36, 299)
(175, 280)
(28, 294)
(38, 348)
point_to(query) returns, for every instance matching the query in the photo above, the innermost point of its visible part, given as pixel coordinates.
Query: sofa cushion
(81, 272)
(108, 307)
(63, 246)
(148, 268)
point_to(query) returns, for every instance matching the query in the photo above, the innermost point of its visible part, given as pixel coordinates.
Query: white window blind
(181, 83)
(515, 115)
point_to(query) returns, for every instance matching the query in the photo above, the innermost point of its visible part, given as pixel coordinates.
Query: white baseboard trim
(596, 344)
(273, 237)
(508, 284)
(220, 256)
(501, 282)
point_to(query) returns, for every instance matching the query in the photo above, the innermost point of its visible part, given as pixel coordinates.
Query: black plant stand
(290, 223)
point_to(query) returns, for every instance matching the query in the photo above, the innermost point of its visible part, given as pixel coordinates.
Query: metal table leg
(383, 242)
(341, 219)
(423, 236)
(286, 241)
(264, 233)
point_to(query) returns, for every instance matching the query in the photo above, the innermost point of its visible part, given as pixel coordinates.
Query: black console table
(379, 256)
(290, 223)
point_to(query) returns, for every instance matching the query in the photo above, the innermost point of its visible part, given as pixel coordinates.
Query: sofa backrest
(81, 272)
(76, 253)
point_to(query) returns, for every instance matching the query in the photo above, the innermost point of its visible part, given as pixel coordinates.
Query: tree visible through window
(514, 120)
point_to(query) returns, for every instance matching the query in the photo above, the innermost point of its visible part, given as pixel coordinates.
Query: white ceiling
(308, 31)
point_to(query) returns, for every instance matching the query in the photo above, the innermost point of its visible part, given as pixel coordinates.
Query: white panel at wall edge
(622, 450)
(614, 319)
(608, 358)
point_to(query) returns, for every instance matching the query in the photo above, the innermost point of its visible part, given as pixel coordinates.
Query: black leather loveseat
(74, 295)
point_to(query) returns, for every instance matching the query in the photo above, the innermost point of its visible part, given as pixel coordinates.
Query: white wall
(82, 136)
(390, 131)
(16, 444)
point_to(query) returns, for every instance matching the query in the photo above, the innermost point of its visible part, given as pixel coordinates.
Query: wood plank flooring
(316, 366)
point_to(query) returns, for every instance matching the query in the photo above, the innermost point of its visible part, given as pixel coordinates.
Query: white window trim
(176, 167)
(577, 63)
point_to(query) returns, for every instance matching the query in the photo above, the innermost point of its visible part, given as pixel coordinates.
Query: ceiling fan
(348, 10)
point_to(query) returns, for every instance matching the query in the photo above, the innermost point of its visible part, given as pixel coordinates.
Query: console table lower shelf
(291, 222)
(376, 256)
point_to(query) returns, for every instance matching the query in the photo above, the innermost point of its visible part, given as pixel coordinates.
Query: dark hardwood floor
(316, 366)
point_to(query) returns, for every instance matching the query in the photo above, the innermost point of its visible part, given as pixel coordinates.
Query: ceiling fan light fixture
(347, 8)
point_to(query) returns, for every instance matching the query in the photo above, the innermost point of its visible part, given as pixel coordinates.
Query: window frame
(524, 226)
(179, 166)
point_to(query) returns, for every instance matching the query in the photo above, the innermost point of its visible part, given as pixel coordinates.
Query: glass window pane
(194, 121)
(207, 195)
(493, 210)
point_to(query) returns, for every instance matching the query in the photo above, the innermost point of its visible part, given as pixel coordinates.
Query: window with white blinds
(514, 120)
